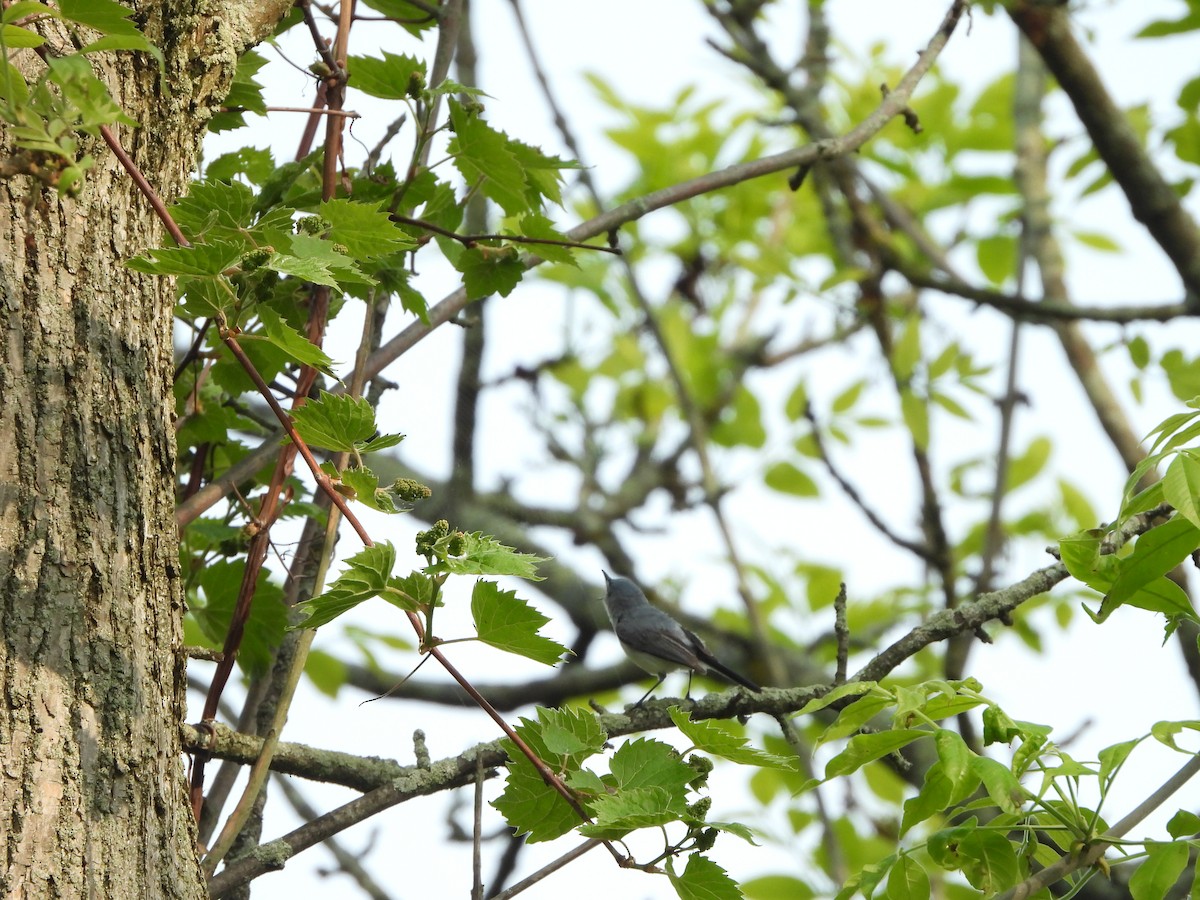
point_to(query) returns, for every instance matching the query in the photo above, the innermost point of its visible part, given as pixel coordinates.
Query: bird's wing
(663, 638)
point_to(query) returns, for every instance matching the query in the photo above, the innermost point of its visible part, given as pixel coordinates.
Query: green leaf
(777, 887)
(316, 261)
(997, 257)
(484, 155)
(703, 879)
(390, 78)
(740, 422)
(483, 555)
(528, 804)
(326, 672)
(534, 225)
(221, 582)
(1164, 732)
(1168, 27)
(1154, 878)
(718, 739)
(1156, 552)
(916, 417)
(850, 689)
(508, 623)
(1029, 464)
(628, 810)
(645, 762)
(366, 575)
(1112, 758)
(851, 719)
(198, 260)
(541, 172)
(24, 8)
(1097, 241)
(908, 880)
(845, 401)
(335, 421)
(368, 233)
(907, 352)
(17, 37)
(571, 734)
(864, 748)
(1183, 824)
(105, 16)
(1181, 486)
(788, 479)
(487, 271)
(1000, 783)
(367, 491)
(989, 861)
(412, 17)
(414, 592)
(293, 343)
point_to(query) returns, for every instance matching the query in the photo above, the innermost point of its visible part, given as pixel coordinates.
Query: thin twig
(549, 869)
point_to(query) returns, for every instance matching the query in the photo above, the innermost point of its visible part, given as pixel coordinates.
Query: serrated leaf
(505, 622)
(717, 739)
(335, 421)
(534, 225)
(197, 260)
(366, 232)
(488, 271)
(380, 443)
(484, 155)
(645, 762)
(293, 343)
(483, 555)
(528, 804)
(209, 204)
(388, 78)
(414, 592)
(618, 814)
(366, 575)
(703, 879)
(367, 491)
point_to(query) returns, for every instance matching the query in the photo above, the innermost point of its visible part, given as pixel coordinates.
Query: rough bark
(92, 794)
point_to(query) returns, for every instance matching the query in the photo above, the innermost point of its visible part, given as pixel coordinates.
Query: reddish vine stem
(324, 482)
(156, 202)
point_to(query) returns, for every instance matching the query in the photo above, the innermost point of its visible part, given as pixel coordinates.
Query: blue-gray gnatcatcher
(655, 641)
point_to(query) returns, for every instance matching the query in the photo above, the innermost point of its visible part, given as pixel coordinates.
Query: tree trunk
(92, 791)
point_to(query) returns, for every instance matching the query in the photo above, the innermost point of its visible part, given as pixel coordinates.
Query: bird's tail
(713, 663)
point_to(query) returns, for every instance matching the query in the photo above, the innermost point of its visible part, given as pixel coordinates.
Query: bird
(655, 641)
